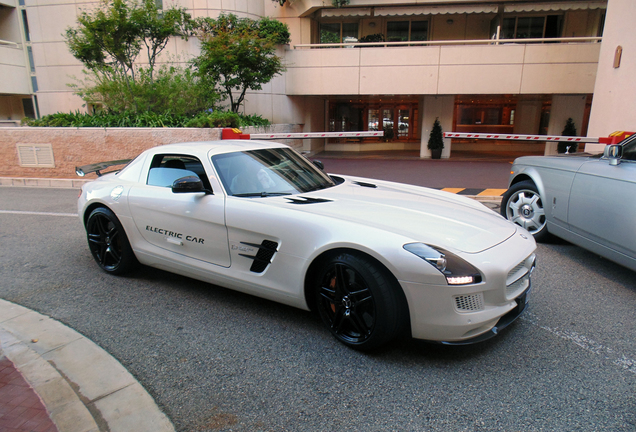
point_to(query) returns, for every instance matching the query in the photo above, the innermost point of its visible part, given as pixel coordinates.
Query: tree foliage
(436, 138)
(239, 54)
(110, 39)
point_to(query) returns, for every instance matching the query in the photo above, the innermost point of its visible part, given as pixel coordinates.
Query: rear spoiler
(98, 167)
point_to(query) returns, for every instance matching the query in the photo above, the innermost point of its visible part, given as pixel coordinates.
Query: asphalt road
(217, 360)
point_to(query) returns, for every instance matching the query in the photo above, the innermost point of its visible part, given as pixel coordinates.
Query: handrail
(6, 42)
(452, 42)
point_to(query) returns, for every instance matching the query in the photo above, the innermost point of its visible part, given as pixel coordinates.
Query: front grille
(518, 279)
(469, 303)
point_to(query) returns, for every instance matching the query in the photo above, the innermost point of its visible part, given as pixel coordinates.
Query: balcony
(504, 66)
(13, 69)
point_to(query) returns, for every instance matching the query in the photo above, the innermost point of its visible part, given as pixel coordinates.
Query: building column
(564, 107)
(432, 107)
(527, 116)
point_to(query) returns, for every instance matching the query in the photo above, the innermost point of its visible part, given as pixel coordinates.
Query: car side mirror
(319, 164)
(188, 184)
(613, 153)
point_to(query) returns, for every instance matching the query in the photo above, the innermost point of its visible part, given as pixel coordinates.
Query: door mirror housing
(613, 153)
(189, 184)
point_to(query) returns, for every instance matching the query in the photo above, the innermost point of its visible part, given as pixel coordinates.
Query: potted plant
(377, 37)
(568, 146)
(436, 140)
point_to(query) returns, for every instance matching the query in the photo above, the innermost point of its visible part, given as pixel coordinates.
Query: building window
(397, 120)
(25, 23)
(404, 31)
(531, 27)
(337, 32)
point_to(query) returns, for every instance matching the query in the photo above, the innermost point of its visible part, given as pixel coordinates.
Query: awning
(435, 10)
(558, 6)
(345, 12)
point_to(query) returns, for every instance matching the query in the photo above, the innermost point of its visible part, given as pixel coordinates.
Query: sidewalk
(48, 368)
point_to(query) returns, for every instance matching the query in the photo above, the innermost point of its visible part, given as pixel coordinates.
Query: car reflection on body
(585, 199)
(376, 259)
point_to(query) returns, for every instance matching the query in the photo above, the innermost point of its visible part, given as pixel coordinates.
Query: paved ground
(111, 399)
(100, 394)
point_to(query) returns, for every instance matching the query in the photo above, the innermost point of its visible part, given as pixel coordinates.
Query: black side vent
(369, 185)
(307, 200)
(263, 258)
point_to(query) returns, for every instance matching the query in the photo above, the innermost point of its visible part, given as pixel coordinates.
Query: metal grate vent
(469, 303)
(36, 155)
(263, 257)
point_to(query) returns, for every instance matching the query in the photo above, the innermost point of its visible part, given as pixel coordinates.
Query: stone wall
(73, 147)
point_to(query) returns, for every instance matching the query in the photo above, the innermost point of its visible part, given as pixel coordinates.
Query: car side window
(166, 168)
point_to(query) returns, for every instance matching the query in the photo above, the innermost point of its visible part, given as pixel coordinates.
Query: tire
(108, 243)
(359, 302)
(522, 205)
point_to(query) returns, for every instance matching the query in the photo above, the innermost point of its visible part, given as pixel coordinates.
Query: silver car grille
(518, 279)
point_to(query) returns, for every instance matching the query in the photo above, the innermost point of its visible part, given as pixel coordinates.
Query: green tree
(239, 54)
(436, 138)
(109, 39)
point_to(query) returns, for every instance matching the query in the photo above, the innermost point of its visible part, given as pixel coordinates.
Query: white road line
(37, 213)
(586, 343)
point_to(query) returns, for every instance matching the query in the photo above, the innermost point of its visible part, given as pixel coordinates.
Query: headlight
(455, 270)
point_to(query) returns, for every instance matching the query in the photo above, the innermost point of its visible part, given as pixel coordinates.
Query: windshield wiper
(261, 194)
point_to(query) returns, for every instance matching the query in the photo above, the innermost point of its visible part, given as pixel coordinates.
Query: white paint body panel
(377, 221)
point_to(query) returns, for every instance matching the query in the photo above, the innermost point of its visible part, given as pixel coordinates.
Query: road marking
(453, 190)
(492, 192)
(37, 213)
(586, 343)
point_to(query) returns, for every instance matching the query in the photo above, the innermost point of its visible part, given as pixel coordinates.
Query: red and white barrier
(518, 137)
(229, 133)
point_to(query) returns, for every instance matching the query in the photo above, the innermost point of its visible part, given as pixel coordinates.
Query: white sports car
(376, 259)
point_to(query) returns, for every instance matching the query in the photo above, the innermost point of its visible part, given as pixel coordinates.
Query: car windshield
(268, 172)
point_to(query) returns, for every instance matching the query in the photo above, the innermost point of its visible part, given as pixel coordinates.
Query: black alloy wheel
(108, 243)
(362, 306)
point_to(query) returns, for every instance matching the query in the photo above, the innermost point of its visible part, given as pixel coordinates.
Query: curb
(83, 388)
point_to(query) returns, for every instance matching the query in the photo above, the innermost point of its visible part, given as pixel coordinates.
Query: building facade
(521, 67)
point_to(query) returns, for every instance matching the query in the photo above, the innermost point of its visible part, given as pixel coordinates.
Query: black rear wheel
(359, 302)
(108, 243)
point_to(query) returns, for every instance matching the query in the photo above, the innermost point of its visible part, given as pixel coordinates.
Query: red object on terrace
(233, 133)
(615, 137)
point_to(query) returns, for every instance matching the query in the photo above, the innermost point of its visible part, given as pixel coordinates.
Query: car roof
(216, 147)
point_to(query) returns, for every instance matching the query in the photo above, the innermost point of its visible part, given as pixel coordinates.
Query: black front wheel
(359, 302)
(108, 243)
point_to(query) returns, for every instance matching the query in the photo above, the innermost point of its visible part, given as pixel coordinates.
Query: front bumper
(466, 314)
(504, 321)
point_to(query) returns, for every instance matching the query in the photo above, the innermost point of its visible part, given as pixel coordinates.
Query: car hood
(571, 162)
(424, 215)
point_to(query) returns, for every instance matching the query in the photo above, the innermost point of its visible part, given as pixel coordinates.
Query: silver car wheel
(525, 208)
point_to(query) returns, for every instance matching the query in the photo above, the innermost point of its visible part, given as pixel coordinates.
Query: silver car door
(603, 204)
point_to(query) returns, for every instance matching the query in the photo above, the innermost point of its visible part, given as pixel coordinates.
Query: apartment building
(520, 67)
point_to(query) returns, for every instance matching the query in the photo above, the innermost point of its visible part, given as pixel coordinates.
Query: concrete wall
(82, 146)
(459, 69)
(614, 101)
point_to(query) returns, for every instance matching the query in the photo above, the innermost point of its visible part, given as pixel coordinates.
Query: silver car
(588, 200)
